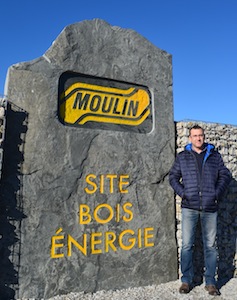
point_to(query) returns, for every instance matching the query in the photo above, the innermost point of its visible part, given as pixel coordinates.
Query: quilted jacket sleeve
(175, 178)
(224, 177)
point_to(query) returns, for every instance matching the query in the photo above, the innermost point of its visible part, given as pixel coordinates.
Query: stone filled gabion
(224, 137)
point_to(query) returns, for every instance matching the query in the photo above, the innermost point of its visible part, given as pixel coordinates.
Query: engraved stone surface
(54, 174)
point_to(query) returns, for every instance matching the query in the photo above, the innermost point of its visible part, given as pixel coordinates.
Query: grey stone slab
(52, 161)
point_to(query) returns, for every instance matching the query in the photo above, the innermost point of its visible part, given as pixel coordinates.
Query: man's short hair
(196, 126)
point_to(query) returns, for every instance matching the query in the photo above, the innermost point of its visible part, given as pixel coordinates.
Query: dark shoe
(185, 288)
(212, 290)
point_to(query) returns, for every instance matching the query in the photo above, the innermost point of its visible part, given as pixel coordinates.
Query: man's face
(197, 138)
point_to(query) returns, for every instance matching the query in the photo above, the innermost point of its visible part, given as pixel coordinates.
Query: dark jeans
(209, 226)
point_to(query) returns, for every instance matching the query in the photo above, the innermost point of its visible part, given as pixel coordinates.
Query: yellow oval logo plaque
(93, 102)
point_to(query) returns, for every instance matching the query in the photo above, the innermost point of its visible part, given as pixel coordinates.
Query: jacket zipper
(201, 180)
(200, 176)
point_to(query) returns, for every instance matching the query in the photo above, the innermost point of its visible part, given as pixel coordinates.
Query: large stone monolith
(89, 143)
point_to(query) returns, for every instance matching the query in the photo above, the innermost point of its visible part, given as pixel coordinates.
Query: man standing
(199, 177)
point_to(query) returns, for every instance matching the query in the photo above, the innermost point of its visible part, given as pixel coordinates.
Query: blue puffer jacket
(199, 192)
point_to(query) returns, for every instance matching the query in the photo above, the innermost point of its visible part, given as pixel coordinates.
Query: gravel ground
(166, 291)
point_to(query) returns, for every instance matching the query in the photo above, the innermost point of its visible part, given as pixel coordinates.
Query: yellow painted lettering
(95, 241)
(122, 183)
(118, 212)
(71, 241)
(101, 184)
(130, 240)
(110, 238)
(148, 236)
(139, 238)
(54, 245)
(84, 214)
(128, 211)
(92, 183)
(111, 178)
(100, 206)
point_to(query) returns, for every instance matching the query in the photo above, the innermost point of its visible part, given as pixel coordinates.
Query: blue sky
(201, 35)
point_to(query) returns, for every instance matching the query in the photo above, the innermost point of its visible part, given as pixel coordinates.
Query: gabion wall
(224, 137)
